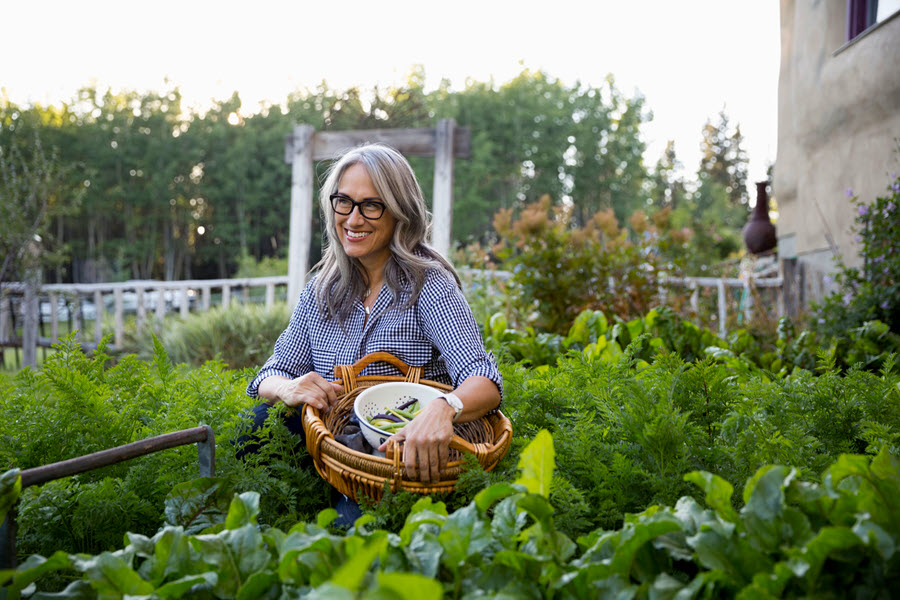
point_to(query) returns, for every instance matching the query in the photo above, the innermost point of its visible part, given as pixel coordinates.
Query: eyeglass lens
(368, 208)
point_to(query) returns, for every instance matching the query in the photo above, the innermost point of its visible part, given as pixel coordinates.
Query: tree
(33, 191)
(667, 188)
(723, 159)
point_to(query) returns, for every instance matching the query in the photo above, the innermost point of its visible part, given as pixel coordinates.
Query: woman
(380, 287)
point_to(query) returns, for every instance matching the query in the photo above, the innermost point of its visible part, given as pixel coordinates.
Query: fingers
(312, 389)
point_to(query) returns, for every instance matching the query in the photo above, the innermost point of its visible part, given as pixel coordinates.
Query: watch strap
(455, 403)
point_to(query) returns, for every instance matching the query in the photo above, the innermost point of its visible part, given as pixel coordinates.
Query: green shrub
(242, 335)
(871, 292)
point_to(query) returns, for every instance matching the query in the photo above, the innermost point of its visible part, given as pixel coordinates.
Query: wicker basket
(353, 472)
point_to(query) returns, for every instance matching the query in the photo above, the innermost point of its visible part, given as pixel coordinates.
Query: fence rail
(158, 298)
(139, 297)
(206, 448)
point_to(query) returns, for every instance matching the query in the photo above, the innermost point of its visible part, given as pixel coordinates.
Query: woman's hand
(426, 441)
(312, 389)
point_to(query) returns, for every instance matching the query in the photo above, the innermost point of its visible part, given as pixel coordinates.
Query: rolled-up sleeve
(292, 356)
(447, 320)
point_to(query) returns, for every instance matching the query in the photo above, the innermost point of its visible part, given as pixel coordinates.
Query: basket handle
(480, 451)
(347, 373)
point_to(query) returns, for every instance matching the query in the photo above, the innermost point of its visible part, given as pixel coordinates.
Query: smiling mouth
(357, 235)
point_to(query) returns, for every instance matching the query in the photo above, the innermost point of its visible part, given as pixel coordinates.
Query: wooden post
(442, 198)
(141, 309)
(270, 295)
(695, 297)
(185, 303)
(301, 160)
(722, 310)
(98, 316)
(245, 294)
(30, 308)
(120, 318)
(205, 297)
(54, 316)
(5, 322)
(226, 296)
(160, 304)
(79, 317)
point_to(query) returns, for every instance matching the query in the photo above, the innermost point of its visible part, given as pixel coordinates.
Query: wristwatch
(455, 403)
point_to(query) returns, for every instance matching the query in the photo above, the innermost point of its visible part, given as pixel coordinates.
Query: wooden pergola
(305, 146)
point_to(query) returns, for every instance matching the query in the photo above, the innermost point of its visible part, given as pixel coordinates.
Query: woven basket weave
(352, 472)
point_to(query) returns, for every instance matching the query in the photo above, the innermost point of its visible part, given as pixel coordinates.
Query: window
(862, 14)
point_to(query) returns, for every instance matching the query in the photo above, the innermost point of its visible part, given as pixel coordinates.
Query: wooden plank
(54, 316)
(98, 316)
(141, 308)
(104, 458)
(327, 145)
(185, 305)
(119, 317)
(722, 309)
(160, 303)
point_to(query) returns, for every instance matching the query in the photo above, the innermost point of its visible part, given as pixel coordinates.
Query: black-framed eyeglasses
(369, 209)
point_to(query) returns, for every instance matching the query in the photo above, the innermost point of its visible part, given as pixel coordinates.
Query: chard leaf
(112, 577)
(410, 586)
(180, 588)
(424, 552)
(537, 463)
(507, 522)
(489, 496)
(35, 566)
(10, 489)
(326, 517)
(258, 585)
(77, 590)
(351, 574)
(718, 493)
(243, 510)
(198, 504)
(330, 591)
(464, 535)
(765, 505)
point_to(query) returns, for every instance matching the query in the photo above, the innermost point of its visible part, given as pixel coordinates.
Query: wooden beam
(328, 145)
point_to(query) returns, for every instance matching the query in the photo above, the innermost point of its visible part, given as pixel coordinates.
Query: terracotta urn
(759, 232)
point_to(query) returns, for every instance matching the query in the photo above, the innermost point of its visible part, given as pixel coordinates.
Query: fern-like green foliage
(241, 336)
(77, 405)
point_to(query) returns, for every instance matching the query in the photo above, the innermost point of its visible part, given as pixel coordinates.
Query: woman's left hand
(426, 441)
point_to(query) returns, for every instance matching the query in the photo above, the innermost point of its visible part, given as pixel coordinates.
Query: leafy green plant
(77, 405)
(242, 335)
(791, 539)
(870, 292)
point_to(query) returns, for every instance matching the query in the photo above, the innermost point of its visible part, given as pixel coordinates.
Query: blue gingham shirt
(438, 332)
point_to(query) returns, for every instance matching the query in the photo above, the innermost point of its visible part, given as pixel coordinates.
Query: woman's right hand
(312, 389)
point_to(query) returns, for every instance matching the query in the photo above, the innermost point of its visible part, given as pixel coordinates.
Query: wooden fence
(143, 298)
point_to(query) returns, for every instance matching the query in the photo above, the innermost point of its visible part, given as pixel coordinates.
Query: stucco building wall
(838, 130)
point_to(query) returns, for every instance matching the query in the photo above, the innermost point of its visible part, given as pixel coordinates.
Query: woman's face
(365, 239)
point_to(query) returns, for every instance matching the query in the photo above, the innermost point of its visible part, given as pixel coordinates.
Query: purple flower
(849, 192)
(890, 206)
(821, 321)
(884, 305)
(896, 186)
(847, 298)
(828, 280)
(863, 210)
(857, 239)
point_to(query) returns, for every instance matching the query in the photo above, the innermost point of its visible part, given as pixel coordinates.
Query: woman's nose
(355, 217)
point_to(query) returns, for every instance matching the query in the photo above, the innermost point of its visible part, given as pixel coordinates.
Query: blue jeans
(347, 508)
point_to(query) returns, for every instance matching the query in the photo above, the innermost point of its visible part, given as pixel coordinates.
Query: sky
(689, 59)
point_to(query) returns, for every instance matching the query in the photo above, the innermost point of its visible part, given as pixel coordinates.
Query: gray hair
(339, 283)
